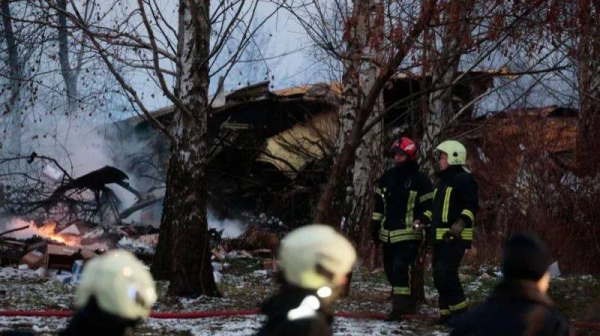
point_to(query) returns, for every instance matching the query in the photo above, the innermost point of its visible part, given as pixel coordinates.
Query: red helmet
(406, 146)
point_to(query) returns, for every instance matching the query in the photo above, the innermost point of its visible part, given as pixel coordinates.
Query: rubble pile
(259, 240)
(60, 252)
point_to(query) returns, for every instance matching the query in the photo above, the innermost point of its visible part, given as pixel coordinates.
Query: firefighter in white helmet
(455, 204)
(315, 261)
(116, 293)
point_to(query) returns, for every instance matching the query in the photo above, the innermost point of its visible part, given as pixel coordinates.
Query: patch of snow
(430, 293)
(218, 276)
(474, 286)
(128, 244)
(554, 270)
(11, 274)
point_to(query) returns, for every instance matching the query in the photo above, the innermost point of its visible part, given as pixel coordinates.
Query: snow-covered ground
(244, 286)
(236, 325)
(24, 290)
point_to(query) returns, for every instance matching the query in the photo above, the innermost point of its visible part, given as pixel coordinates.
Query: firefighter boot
(401, 305)
(451, 322)
(443, 319)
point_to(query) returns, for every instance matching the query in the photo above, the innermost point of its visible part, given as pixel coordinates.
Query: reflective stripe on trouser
(466, 234)
(398, 258)
(446, 261)
(396, 236)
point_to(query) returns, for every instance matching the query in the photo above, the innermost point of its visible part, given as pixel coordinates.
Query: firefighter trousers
(445, 263)
(398, 258)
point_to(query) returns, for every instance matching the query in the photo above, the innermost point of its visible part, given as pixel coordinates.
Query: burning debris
(59, 252)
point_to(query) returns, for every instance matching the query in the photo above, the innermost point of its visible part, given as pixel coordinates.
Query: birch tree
(180, 60)
(364, 36)
(363, 48)
(454, 40)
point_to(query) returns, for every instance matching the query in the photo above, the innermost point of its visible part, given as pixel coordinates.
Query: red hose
(225, 313)
(194, 315)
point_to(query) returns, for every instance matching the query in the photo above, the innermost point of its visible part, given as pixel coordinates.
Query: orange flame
(48, 231)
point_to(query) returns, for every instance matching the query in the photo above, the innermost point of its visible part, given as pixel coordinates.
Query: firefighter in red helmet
(402, 198)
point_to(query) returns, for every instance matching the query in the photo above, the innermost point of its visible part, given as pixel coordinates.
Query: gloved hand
(456, 229)
(417, 225)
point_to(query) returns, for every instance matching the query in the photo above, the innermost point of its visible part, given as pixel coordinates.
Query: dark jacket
(281, 322)
(92, 321)
(514, 308)
(403, 194)
(455, 197)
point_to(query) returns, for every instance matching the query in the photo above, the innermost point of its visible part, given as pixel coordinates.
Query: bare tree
(389, 62)
(365, 44)
(454, 44)
(195, 49)
(15, 77)
(587, 51)
(69, 72)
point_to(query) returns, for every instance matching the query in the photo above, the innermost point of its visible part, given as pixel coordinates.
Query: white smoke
(13, 223)
(232, 228)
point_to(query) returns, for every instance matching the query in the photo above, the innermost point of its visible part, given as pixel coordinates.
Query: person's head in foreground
(315, 261)
(519, 304)
(116, 293)
(526, 258)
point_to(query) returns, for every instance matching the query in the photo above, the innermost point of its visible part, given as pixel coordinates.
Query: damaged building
(270, 150)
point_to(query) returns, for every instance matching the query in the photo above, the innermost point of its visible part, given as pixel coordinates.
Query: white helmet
(316, 256)
(120, 283)
(457, 153)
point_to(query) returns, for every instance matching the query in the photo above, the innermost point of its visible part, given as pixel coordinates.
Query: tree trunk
(436, 121)
(588, 76)
(368, 165)
(63, 56)
(347, 153)
(183, 252)
(456, 34)
(350, 103)
(455, 40)
(12, 108)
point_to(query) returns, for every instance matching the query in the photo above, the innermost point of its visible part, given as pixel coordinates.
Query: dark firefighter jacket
(93, 321)
(514, 308)
(454, 198)
(403, 194)
(287, 316)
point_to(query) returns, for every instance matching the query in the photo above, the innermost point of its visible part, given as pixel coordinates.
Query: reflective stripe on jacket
(454, 198)
(403, 195)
